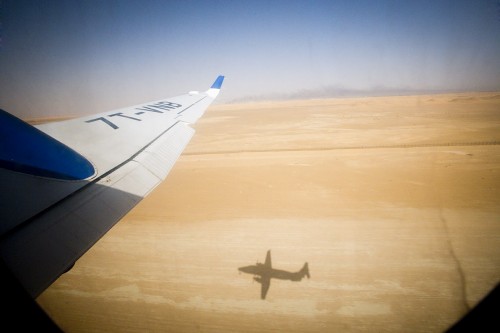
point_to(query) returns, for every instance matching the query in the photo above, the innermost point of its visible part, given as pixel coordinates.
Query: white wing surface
(65, 184)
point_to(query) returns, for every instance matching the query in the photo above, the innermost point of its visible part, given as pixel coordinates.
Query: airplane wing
(266, 283)
(65, 184)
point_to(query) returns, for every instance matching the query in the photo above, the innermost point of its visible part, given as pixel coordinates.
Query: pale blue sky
(77, 57)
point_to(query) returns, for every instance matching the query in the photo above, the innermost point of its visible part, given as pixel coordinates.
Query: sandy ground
(393, 201)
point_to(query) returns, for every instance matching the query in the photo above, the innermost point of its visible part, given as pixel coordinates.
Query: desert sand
(394, 202)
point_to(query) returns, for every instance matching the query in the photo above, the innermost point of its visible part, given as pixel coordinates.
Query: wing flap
(160, 157)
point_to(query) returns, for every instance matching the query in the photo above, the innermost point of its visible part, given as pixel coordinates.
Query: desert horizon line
(295, 98)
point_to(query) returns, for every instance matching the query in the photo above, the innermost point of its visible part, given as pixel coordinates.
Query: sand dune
(393, 201)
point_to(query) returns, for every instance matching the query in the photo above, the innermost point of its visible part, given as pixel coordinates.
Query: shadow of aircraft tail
(297, 276)
(305, 271)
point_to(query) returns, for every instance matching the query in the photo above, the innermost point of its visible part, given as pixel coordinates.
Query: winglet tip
(218, 82)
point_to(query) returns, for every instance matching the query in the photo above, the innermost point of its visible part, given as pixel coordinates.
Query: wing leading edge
(48, 220)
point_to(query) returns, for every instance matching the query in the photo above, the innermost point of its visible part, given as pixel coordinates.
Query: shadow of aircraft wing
(266, 283)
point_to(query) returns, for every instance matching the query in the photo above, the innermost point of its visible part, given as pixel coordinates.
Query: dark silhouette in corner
(20, 312)
(265, 272)
(484, 317)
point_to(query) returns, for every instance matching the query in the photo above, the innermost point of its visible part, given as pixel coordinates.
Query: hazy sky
(75, 57)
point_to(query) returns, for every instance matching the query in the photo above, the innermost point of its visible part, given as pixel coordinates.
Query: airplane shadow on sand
(263, 273)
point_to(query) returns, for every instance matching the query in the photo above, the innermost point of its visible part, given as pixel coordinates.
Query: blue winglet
(218, 82)
(25, 149)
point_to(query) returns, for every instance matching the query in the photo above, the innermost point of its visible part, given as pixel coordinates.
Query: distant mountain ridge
(333, 92)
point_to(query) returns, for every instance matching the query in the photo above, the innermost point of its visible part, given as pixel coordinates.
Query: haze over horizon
(71, 58)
